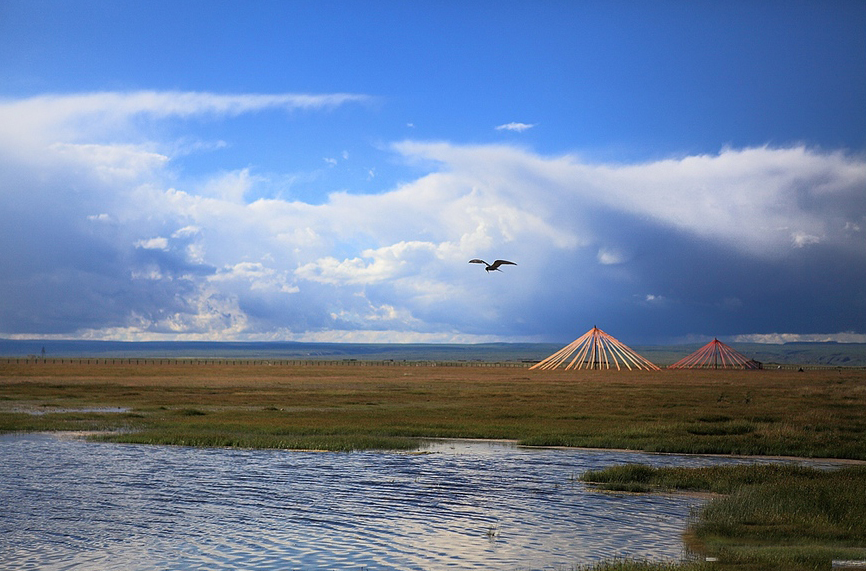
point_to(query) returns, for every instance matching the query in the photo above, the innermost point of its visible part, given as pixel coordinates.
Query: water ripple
(80, 505)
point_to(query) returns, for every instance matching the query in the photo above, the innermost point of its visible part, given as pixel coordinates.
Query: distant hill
(485, 352)
(828, 354)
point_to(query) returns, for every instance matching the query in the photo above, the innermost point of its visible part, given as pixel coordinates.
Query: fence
(186, 361)
(181, 361)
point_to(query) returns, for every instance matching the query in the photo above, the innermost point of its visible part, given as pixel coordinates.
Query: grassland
(809, 414)
(758, 522)
(779, 517)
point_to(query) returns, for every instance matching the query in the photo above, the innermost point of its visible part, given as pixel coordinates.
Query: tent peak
(595, 349)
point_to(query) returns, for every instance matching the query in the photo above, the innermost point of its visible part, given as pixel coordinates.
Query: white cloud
(90, 119)
(229, 186)
(754, 200)
(780, 338)
(370, 314)
(157, 243)
(110, 162)
(609, 257)
(56, 109)
(373, 266)
(207, 260)
(256, 276)
(801, 239)
(519, 127)
(186, 232)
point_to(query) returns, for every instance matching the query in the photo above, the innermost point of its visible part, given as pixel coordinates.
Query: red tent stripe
(715, 355)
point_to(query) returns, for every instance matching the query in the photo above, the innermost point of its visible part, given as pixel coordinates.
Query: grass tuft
(191, 412)
(619, 564)
(770, 516)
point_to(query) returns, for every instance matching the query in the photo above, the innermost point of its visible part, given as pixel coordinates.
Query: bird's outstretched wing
(498, 263)
(477, 261)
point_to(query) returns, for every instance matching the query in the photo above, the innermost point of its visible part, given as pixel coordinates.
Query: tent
(716, 355)
(595, 349)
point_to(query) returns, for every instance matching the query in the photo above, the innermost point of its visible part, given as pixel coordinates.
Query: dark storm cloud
(99, 242)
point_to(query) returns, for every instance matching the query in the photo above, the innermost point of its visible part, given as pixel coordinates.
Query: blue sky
(668, 171)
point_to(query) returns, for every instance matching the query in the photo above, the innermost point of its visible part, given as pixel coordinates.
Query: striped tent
(716, 355)
(595, 349)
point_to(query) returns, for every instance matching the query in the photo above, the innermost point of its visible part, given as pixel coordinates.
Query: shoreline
(84, 434)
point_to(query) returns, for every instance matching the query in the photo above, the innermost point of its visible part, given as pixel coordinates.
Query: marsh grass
(719, 479)
(641, 565)
(770, 516)
(223, 439)
(722, 428)
(817, 413)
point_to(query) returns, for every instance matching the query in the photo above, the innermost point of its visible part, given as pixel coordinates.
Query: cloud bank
(100, 242)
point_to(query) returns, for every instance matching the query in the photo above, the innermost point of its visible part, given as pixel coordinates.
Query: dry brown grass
(812, 413)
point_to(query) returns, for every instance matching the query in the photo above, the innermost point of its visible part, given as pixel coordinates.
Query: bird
(494, 266)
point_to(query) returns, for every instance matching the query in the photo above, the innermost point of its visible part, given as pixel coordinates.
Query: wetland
(374, 414)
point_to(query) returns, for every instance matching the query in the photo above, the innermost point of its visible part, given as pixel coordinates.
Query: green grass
(811, 414)
(719, 479)
(639, 565)
(222, 439)
(769, 516)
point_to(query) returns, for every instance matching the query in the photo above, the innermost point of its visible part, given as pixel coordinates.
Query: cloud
(110, 162)
(103, 240)
(255, 276)
(81, 118)
(780, 338)
(153, 244)
(519, 127)
(373, 266)
(801, 239)
(59, 109)
(607, 256)
(761, 201)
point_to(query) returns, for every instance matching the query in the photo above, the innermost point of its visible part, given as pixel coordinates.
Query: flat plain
(813, 413)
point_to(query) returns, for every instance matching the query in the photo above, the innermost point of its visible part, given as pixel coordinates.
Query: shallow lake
(72, 504)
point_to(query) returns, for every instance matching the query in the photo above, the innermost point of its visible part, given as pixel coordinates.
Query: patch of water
(61, 410)
(73, 504)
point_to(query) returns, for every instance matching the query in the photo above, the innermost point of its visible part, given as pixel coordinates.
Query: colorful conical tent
(595, 349)
(716, 355)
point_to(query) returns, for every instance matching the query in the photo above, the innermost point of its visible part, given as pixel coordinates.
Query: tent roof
(595, 349)
(716, 355)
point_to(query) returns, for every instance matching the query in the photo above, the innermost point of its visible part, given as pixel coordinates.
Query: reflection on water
(461, 505)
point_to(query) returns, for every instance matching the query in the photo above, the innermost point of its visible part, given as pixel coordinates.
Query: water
(72, 504)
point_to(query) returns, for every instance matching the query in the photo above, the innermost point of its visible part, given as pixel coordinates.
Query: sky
(324, 170)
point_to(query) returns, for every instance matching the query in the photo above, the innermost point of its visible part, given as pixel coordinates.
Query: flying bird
(494, 266)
